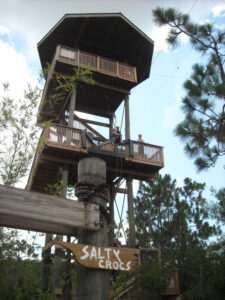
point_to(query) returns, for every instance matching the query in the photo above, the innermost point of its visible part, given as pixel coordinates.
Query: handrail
(66, 137)
(147, 152)
(96, 63)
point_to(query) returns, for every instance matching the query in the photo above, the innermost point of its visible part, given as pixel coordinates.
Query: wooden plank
(109, 258)
(112, 88)
(120, 190)
(94, 122)
(89, 127)
(40, 212)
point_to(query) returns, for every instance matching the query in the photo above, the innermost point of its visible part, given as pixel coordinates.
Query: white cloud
(159, 35)
(184, 38)
(171, 114)
(4, 30)
(179, 182)
(219, 10)
(14, 70)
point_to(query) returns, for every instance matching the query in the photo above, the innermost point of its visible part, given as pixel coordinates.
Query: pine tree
(203, 127)
(176, 220)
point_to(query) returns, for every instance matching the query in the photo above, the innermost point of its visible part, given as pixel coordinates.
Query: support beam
(111, 88)
(57, 266)
(110, 126)
(129, 179)
(127, 118)
(94, 122)
(111, 217)
(89, 127)
(62, 111)
(72, 105)
(40, 212)
(132, 242)
(93, 284)
(46, 264)
(120, 190)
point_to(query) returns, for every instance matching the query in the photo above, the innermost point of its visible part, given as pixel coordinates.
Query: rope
(120, 217)
(86, 190)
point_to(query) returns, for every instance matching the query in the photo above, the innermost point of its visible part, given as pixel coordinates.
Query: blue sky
(155, 104)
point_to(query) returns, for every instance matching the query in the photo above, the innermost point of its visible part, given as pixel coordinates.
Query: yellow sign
(109, 258)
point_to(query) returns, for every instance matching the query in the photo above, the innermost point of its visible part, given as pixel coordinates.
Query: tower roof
(110, 35)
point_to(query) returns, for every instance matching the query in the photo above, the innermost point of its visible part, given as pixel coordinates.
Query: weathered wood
(111, 88)
(46, 264)
(120, 190)
(127, 118)
(93, 284)
(110, 126)
(130, 199)
(100, 64)
(111, 217)
(89, 127)
(109, 258)
(72, 105)
(40, 212)
(129, 179)
(94, 122)
(57, 265)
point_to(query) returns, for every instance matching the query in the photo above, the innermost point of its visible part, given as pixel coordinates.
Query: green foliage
(203, 128)
(119, 283)
(176, 220)
(44, 73)
(64, 85)
(151, 280)
(55, 188)
(18, 134)
(44, 295)
(20, 271)
(218, 207)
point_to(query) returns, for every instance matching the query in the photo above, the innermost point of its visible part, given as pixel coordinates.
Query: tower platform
(63, 145)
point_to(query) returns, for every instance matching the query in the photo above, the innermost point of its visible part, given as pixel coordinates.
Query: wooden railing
(71, 138)
(96, 63)
(147, 152)
(62, 136)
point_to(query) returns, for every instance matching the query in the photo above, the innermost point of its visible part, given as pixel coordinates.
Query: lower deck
(60, 145)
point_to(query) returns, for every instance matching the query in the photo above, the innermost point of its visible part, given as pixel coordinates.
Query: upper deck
(109, 35)
(110, 79)
(63, 145)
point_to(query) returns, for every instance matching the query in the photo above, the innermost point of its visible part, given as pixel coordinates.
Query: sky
(155, 105)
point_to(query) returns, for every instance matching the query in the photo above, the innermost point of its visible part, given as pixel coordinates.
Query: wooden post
(93, 284)
(127, 118)
(110, 126)
(57, 267)
(129, 179)
(46, 264)
(72, 106)
(111, 217)
(132, 242)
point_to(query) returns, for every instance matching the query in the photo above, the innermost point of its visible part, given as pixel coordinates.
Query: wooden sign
(109, 258)
(41, 212)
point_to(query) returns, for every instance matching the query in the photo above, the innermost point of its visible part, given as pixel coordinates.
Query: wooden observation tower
(118, 56)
